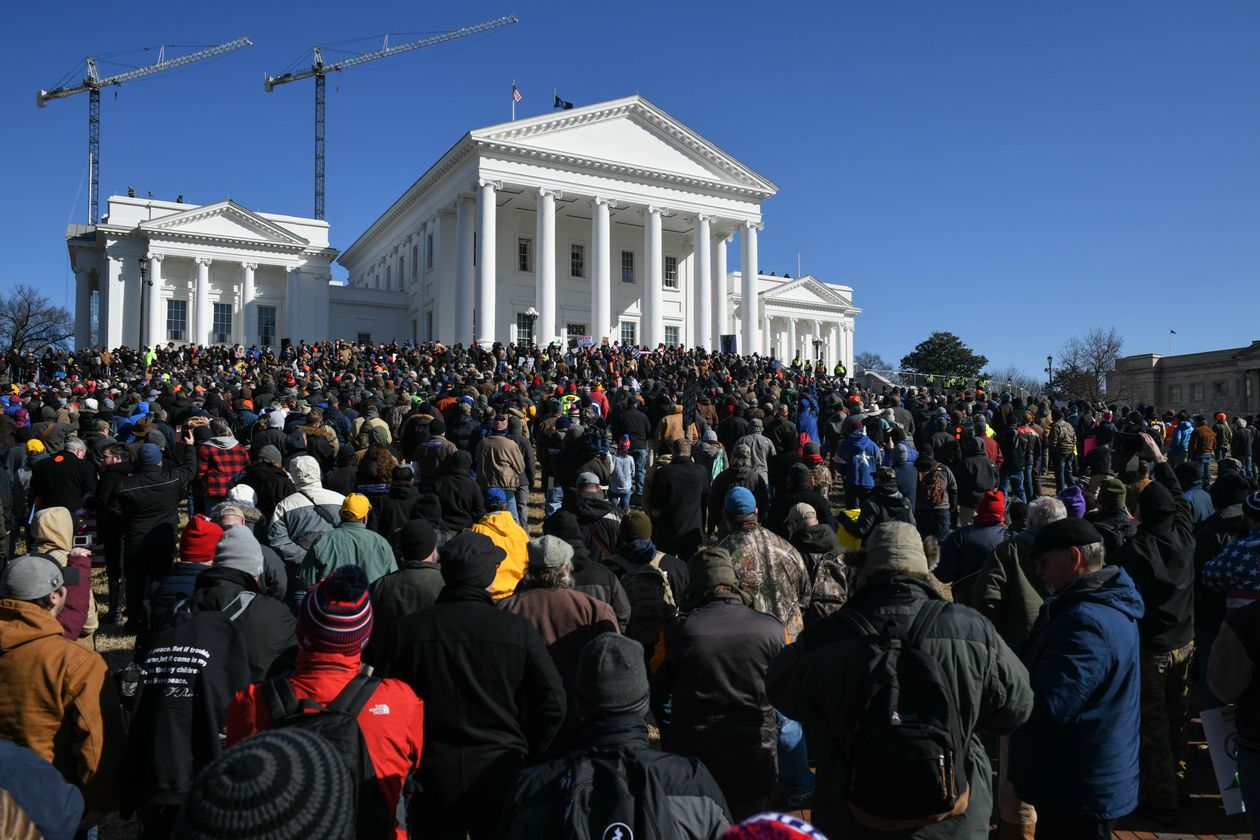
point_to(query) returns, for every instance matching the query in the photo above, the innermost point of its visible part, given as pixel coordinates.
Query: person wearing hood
(57, 699)
(964, 552)
(147, 503)
(232, 585)
(859, 458)
(52, 533)
(1179, 447)
(798, 488)
(1160, 559)
(414, 587)
(884, 504)
(1076, 760)
(196, 552)
(677, 495)
(1193, 493)
(716, 657)
(613, 695)
(976, 475)
(891, 585)
(500, 526)
(820, 548)
(936, 497)
(1112, 518)
(598, 517)
(221, 462)
(270, 480)
(739, 474)
(349, 544)
(272, 435)
(589, 574)
(493, 696)
(398, 506)
(760, 449)
(302, 518)
(463, 503)
(907, 475)
(565, 618)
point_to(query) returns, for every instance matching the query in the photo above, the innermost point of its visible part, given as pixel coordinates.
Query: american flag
(516, 94)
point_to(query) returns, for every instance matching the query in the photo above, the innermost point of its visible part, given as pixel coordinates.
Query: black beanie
(1229, 489)
(437, 426)
(470, 559)
(1155, 503)
(416, 540)
(611, 677)
(282, 784)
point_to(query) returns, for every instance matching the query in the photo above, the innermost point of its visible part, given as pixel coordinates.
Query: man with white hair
(63, 479)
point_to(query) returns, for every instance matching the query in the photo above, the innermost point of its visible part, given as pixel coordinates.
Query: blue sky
(1015, 172)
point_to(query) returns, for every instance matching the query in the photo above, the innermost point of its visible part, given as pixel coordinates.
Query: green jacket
(349, 544)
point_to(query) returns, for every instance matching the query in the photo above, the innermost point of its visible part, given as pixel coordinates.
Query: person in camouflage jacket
(768, 568)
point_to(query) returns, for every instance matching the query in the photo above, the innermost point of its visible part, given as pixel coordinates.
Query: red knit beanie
(201, 535)
(991, 509)
(336, 616)
(772, 826)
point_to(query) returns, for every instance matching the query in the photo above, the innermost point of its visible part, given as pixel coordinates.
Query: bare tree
(28, 321)
(1087, 362)
(1016, 379)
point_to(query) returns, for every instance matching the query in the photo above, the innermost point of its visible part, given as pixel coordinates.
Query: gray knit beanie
(611, 677)
(282, 784)
(549, 552)
(239, 549)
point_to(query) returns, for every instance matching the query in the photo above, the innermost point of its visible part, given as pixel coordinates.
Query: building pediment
(808, 291)
(223, 221)
(628, 136)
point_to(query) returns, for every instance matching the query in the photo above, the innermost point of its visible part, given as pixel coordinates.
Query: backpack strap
(236, 608)
(924, 621)
(355, 695)
(323, 514)
(859, 624)
(281, 701)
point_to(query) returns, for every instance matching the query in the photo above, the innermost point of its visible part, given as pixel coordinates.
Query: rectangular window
(1174, 394)
(402, 276)
(671, 273)
(524, 254)
(574, 330)
(428, 325)
(627, 266)
(389, 278)
(177, 320)
(428, 252)
(415, 262)
(671, 336)
(629, 331)
(1220, 389)
(577, 261)
(221, 325)
(1196, 392)
(364, 338)
(266, 325)
(524, 329)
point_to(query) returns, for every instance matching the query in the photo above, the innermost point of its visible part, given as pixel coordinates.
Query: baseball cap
(587, 478)
(355, 506)
(33, 576)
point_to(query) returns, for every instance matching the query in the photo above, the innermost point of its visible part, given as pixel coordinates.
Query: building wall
(1200, 383)
(382, 315)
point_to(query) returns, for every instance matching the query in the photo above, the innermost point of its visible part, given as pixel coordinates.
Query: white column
(291, 295)
(105, 301)
(82, 309)
(718, 289)
(601, 280)
(249, 306)
(653, 326)
(464, 272)
(486, 269)
(848, 349)
(201, 312)
(702, 278)
(769, 341)
(794, 347)
(750, 340)
(154, 317)
(545, 268)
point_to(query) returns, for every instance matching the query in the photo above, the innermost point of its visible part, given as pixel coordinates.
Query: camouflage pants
(1165, 711)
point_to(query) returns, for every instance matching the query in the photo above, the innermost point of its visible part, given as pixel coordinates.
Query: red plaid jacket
(217, 467)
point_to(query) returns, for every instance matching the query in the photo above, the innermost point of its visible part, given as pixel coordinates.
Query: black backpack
(338, 723)
(907, 750)
(651, 603)
(611, 795)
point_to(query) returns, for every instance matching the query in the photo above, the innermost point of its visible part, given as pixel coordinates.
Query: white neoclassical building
(610, 221)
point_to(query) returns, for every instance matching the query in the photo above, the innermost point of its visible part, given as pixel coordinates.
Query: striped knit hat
(266, 787)
(336, 616)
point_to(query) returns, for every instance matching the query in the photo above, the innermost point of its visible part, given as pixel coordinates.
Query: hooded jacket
(58, 699)
(502, 529)
(272, 484)
(1160, 560)
(268, 629)
(219, 461)
(500, 462)
(295, 516)
(884, 504)
(1078, 754)
(1008, 591)
(810, 681)
(860, 458)
(461, 498)
(53, 534)
(349, 544)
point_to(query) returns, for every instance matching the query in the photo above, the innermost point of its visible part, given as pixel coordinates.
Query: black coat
(715, 665)
(147, 503)
(884, 504)
(633, 423)
(398, 596)
(62, 481)
(776, 517)
(393, 510)
(1160, 559)
(268, 626)
(493, 696)
(461, 499)
(731, 430)
(678, 492)
(272, 484)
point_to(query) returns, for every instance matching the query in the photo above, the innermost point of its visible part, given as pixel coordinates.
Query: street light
(532, 315)
(144, 298)
(818, 343)
(1050, 375)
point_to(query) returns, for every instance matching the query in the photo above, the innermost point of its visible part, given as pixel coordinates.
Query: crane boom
(319, 70)
(92, 84)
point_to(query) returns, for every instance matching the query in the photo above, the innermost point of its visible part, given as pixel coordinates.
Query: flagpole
(514, 100)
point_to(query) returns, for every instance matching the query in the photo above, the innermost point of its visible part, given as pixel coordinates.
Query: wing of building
(610, 221)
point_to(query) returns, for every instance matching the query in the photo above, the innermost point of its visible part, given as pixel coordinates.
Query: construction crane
(319, 70)
(92, 84)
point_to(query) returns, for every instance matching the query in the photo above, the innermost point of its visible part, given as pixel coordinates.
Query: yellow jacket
(503, 531)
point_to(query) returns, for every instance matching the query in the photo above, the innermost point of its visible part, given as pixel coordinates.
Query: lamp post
(532, 315)
(818, 343)
(144, 299)
(1050, 376)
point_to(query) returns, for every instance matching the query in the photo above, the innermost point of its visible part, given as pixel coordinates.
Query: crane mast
(92, 84)
(320, 70)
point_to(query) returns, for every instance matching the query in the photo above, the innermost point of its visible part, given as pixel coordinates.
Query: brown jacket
(57, 699)
(670, 427)
(499, 462)
(1202, 441)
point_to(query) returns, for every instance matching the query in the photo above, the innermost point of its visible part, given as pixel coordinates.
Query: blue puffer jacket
(1181, 437)
(861, 459)
(807, 423)
(1078, 754)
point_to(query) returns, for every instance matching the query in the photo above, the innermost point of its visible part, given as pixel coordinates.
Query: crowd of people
(754, 587)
